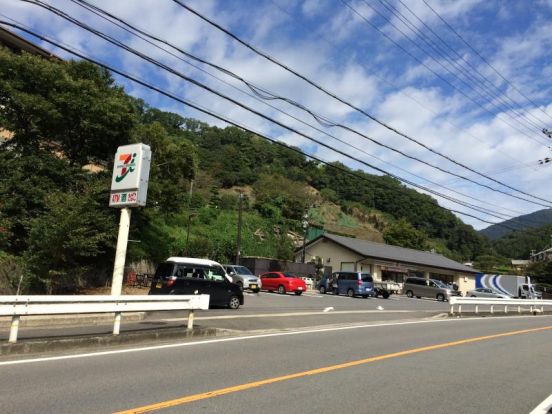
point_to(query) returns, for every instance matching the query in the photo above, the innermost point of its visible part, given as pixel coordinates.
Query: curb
(97, 342)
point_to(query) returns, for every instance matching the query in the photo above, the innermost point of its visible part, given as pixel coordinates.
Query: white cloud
(446, 122)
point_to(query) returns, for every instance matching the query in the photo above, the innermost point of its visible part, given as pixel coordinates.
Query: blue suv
(348, 283)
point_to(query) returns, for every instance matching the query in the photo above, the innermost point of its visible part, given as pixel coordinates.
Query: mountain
(528, 221)
(519, 244)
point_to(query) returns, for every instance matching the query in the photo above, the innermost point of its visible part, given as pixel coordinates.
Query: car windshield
(291, 275)
(441, 284)
(242, 270)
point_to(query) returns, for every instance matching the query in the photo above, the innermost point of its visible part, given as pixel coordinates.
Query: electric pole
(189, 217)
(238, 241)
(305, 224)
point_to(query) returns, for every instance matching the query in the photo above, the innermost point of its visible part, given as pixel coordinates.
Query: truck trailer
(511, 285)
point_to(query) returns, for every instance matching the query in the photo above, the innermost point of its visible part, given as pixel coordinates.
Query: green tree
(67, 239)
(403, 234)
(174, 164)
(68, 107)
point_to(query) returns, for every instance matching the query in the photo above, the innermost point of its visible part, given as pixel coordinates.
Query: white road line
(252, 337)
(544, 407)
(281, 315)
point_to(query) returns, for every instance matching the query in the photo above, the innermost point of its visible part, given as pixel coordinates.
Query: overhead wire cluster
(266, 95)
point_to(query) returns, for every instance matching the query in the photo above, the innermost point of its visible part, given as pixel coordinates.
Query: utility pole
(238, 241)
(305, 224)
(189, 216)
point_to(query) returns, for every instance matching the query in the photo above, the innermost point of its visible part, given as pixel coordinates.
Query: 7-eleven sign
(129, 184)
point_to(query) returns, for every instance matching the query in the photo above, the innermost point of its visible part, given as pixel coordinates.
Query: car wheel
(409, 294)
(322, 290)
(351, 293)
(365, 296)
(234, 302)
(281, 290)
(441, 297)
(256, 290)
(298, 293)
(385, 294)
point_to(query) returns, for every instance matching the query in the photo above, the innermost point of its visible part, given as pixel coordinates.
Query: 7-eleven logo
(128, 165)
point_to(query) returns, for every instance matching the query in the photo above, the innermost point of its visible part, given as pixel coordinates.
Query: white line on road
(544, 407)
(276, 315)
(250, 337)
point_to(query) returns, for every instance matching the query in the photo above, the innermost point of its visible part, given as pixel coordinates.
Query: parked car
(309, 281)
(486, 293)
(282, 282)
(243, 277)
(190, 276)
(428, 288)
(348, 283)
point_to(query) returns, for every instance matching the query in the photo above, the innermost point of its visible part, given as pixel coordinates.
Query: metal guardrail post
(505, 308)
(14, 328)
(452, 310)
(492, 309)
(460, 309)
(190, 319)
(117, 323)
(476, 309)
(519, 308)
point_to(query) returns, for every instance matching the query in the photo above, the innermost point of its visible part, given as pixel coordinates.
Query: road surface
(484, 365)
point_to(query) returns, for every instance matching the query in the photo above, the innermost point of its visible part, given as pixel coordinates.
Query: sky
(470, 79)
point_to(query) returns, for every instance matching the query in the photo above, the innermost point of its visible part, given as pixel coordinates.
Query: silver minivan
(428, 288)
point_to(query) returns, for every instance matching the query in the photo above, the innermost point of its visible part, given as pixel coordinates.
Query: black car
(189, 276)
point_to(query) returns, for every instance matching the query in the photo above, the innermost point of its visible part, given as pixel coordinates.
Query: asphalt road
(486, 365)
(265, 311)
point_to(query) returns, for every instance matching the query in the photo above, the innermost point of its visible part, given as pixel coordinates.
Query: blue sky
(482, 122)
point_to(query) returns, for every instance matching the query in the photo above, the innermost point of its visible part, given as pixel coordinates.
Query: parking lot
(264, 310)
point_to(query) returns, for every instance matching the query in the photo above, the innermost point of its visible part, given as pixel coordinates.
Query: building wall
(465, 282)
(332, 254)
(335, 256)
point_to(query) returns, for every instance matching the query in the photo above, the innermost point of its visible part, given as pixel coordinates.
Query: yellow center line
(255, 384)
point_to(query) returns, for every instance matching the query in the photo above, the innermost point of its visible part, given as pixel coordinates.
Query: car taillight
(359, 282)
(171, 280)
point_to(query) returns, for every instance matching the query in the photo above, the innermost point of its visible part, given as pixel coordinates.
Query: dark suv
(189, 276)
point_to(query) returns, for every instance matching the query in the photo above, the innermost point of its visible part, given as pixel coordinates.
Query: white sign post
(129, 188)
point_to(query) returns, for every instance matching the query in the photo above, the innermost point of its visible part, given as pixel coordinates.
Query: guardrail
(18, 306)
(492, 305)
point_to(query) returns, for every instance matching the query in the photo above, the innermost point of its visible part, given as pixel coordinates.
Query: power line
(406, 51)
(332, 43)
(485, 60)
(102, 14)
(240, 104)
(317, 86)
(485, 79)
(224, 119)
(482, 89)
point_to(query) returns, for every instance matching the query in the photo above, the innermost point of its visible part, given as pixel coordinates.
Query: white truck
(511, 285)
(386, 288)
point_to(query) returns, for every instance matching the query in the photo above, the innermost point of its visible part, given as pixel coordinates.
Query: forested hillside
(528, 221)
(57, 231)
(519, 244)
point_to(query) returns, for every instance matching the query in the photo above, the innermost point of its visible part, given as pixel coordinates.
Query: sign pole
(119, 266)
(120, 253)
(129, 187)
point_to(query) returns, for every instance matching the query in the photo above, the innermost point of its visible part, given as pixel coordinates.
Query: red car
(282, 282)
